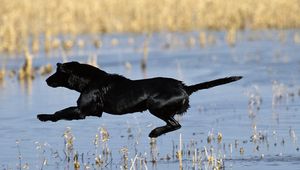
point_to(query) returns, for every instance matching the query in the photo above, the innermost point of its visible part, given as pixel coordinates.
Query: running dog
(114, 94)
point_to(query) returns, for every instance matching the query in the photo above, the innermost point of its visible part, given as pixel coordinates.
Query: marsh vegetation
(37, 25)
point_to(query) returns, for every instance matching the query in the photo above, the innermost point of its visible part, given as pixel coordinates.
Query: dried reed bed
(22, 23)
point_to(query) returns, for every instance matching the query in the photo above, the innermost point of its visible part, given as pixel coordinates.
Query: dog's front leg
(70, 113)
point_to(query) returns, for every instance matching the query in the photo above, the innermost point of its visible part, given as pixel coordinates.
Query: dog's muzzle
(50, 83)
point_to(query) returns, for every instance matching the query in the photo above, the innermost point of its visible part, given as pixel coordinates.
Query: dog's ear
(58, 64)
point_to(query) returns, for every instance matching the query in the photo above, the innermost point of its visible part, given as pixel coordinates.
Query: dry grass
(23, 22)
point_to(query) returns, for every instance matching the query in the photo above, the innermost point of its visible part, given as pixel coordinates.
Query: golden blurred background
(22, 22)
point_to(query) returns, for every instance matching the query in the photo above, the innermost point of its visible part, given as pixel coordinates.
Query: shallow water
(269, 64)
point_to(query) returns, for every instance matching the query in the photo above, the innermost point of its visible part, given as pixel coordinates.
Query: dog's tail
(193, 88)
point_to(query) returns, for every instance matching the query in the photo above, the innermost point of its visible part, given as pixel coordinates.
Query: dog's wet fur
(114, 94)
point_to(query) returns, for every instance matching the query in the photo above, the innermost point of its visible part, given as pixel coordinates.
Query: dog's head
(75, 76)
(63, 74)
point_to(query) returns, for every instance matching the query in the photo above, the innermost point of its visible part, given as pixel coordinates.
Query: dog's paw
(154, 133)
(45, 117)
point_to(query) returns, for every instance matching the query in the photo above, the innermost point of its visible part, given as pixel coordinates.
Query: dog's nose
(47, 81)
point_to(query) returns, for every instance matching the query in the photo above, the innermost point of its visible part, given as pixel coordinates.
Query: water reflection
(2, 84)
(26, 86)
(153, 151)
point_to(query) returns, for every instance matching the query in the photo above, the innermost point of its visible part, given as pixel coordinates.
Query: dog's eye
(60, 68)
(64, 69)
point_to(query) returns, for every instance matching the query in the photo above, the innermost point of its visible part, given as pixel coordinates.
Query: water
(264, 138)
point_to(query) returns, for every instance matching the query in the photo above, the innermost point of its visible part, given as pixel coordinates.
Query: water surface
(257, 116)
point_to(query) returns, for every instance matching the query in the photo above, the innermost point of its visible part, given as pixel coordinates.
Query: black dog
(117, 95)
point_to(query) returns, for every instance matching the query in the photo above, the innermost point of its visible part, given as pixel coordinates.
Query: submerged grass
(24, 22)
(190, 153)
(216, 151)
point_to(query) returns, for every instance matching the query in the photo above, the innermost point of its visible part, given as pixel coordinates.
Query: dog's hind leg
(70, 113)
(165, 106)
(171, 125)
